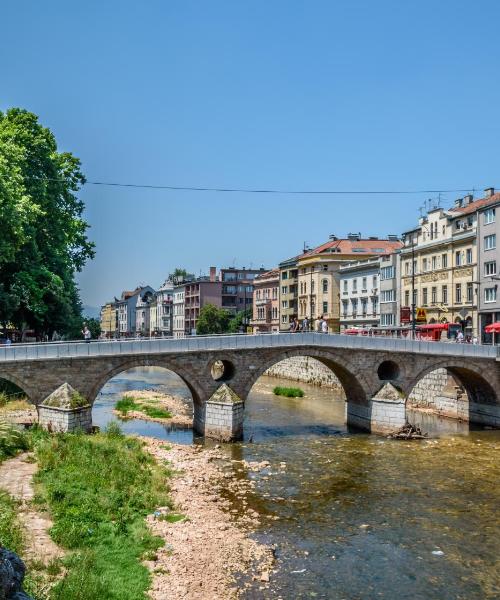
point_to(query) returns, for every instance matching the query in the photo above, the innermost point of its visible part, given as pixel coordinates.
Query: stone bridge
(377, 374)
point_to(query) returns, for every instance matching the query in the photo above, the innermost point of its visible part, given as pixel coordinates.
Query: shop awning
(493, 328)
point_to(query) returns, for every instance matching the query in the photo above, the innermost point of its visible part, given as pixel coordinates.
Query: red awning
(432, 327)
(353, 331)
(493, 328)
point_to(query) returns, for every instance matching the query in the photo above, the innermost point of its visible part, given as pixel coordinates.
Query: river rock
(12, 571)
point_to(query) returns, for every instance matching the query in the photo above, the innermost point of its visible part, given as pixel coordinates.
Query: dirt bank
(206, 550)
(181, 411)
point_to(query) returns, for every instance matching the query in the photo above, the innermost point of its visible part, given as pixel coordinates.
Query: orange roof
(356, 246)
(267, 274)
(476, 205)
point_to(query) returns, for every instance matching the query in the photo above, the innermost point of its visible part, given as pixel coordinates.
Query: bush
(126, 404)
(12, 440)
(288, 392)
(156, 412)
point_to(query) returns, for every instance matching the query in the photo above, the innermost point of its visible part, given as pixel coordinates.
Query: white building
(360, 294)
(178, 306)
(142, 312)
(164, 305)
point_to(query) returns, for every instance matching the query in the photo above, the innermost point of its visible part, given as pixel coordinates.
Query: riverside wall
(305, 370)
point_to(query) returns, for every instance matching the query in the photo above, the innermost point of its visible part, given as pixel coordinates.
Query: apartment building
(319, 273)
(389, 290)
(439, 266)
(288, 292)
(489, 260)
(164, 313)
(237, 287)
(198, 293)
(143, 312)
(359, 293)
(126, 310)
(265, 314)
(108, 320)
(178, 321)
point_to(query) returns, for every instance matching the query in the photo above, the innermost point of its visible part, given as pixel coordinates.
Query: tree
(239, 321)
(179, 275)
(212, 320)
(43, 240)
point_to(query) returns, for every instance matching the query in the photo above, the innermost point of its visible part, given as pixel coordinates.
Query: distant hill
(91, 311)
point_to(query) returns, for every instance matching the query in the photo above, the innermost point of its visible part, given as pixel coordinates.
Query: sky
(326, 95)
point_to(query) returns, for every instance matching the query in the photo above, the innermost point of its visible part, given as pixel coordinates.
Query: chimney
(468, 199)
(353, 237)
(213, 271)
(459, 203)
(488, 192)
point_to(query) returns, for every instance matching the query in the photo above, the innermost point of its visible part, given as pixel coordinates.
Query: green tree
(240, 321)
(43, 237)
(212, 319)
(180, 275)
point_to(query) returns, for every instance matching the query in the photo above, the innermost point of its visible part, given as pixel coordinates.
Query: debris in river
(408, 432)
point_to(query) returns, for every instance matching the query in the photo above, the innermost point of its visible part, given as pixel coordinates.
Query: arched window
(325, 286)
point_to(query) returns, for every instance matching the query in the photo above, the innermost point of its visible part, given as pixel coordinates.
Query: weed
(155, 412)
(126, 404)
(288, 392)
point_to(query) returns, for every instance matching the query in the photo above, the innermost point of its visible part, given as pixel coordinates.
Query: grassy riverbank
(288, 392)
(128, 404)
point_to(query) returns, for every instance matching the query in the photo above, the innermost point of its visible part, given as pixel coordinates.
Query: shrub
(288, 392)
(12, 440)
(156, 412)
(126, 404)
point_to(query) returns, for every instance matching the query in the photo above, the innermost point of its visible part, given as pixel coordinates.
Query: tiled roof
(476, 205)
(354, 246)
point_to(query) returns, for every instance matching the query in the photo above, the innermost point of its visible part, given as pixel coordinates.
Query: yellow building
(439, 266)
(108, 320)
(318, 274)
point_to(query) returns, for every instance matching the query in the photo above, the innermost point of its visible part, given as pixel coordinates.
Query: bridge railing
(61, 350)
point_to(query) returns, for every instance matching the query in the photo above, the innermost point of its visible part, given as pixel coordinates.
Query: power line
(263, 191)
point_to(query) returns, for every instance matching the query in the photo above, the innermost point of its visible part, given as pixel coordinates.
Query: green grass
(289, 392)
(126, 404)
(99, 489)
(172, 517)
(10, 531)
(155, 412)
(12, 440)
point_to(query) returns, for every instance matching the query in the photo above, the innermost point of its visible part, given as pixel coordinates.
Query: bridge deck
(60, 350)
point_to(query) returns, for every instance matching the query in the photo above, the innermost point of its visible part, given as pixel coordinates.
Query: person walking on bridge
(87, 336)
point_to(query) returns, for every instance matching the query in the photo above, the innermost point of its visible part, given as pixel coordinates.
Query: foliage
(179, 275)
(289, 392)
(78, 401)
(10, 389)
(212, 320)
(43, 241)
(99, 489)
(10, 533)
(240, 321)
(126, 404)
(12, 440)
(156, 412)
(74, 331)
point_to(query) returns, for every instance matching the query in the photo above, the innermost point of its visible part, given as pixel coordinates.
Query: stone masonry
(224, 415)
(306, 370)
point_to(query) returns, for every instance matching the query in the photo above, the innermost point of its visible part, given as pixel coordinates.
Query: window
(468, 256)
(374, 281)
(325, 286)
(490, 242)
(415, 297)
(444, 261)
(364, 284)
(490, 268)
(388, 296)
(424, 265)
(458, 293)
(325, 307)
(387, 319)
(374, 306)
(325, 267)
(490, 294)
(434, 295)
(407, 268)
(489, 216)
(388, 272)
(284, 319)
(312, 286)
(407, 298)
(345, 286)
(284, 289)
(433, 263)
(354, 307)
(458, 258)
(469, 292)
(424, 297)
(354, 285)
(284, 304)
(444, 294)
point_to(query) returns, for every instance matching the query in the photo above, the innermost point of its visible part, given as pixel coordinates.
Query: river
(352, 515)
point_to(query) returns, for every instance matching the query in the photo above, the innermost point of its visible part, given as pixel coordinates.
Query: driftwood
(408, 432)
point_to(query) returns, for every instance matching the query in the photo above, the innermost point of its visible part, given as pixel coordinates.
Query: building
(153, 316)
(237, 287)
(359, 293)
(108, 320)
(164, 312)
(143, 311)
(489, 260)
(439, 266)
(126, 310)
(198, 293)
(288, 292)
(319, 276)
(265, 314)
(178, 323)
(389, 290)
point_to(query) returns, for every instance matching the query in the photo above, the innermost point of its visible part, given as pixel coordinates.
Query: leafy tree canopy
(212, 319)
(179, 275)
(240, 321)
(43, 237)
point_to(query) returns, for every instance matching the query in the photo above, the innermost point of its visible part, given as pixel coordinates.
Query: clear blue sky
(283, 94)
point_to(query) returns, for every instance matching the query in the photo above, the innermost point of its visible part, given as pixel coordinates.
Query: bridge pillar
(221, 417)
(385, 412)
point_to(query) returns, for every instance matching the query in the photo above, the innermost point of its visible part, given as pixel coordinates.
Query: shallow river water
(356, 516)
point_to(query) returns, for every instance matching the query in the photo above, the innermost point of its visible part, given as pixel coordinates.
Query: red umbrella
(493, 328)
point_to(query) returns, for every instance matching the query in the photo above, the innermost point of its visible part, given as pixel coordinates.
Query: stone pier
(223, 418)
(386, 411)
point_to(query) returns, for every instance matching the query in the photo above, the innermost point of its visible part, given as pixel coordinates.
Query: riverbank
(208, 548)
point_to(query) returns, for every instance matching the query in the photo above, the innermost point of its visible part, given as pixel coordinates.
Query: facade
(108, 320)
(198, 293)
(489, 261)
(288, 292)
(178, 323)
(439, 266)
(153, 316)
(126, 310)
(237, 287)
(164, 312)
(359, 293)
(389, 290)
(319, 274)
(143, 312)
(265, 314)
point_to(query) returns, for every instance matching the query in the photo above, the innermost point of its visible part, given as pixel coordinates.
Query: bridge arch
(121, 367)
(22, 385)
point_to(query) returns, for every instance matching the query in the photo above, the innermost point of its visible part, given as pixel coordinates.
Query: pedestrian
(8, 341)
(324, 326)
(305, 324)
(319, 324)
(460, 337)
(295, 325)
(474, 340)
(87, 336)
